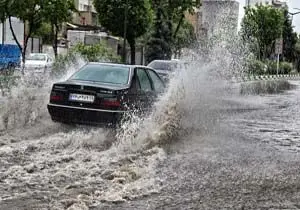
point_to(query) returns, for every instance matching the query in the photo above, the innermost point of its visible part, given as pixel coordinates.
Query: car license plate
(81, 98)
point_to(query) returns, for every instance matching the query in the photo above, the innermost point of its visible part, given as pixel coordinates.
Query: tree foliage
(289, 38)
(56, 12)
(297, 54)
(178, 8)
(169, 20)
(261, 26)
(185, 37)
(36, 14)
(112, 16)
(159, 44)
(44, 31)
(28, 11)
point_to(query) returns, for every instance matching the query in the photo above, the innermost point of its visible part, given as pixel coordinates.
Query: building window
(83, 22)
(86, 8)
(80, 7)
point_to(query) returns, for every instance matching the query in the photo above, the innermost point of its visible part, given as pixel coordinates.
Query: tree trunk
(54, 39)
(132, 51)
(3, 30)
(178, 26)
(22, 49)
(14, 34)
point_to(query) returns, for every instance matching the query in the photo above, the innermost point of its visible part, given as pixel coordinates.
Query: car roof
(169, 61)
(117, 64)
(172, 60)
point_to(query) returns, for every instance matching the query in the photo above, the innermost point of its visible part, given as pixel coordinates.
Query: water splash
(26, 104)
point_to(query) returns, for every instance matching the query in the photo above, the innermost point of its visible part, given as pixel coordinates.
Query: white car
(165, 67)
(38, 62)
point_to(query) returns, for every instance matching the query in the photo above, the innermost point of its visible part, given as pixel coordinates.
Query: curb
(250, 78)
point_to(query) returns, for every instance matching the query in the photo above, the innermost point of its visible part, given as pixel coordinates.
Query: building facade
(87, 14)
(195, 19)
(276, 3)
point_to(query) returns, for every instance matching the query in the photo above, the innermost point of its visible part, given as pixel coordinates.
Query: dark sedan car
(100, 93)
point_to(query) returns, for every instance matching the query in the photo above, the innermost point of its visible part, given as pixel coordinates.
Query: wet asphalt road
(248, 158)
(250, 161)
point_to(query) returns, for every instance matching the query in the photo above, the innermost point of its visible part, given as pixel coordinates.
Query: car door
(145, 90)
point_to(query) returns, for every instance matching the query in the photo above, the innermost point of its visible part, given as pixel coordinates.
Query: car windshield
(103, 73)
(37, 57)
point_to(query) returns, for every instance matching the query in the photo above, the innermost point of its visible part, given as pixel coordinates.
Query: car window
(158, 84)
(102, 73)
(143, 78)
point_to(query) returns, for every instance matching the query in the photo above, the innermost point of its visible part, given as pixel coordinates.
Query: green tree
(261, 26)
(113, 13)
(185, 37)
(169, 19)
(56, 12)
(178, 9)
(28, 11)
(159, 44)
(44, 32)
(297, 54)
(289, 38)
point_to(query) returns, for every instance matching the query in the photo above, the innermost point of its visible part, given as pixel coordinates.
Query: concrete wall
(18, 27)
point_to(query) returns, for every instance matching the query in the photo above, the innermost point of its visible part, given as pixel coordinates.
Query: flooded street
(201, 149)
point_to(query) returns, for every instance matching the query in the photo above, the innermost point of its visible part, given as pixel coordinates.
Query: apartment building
(276, 3)
(87, 14)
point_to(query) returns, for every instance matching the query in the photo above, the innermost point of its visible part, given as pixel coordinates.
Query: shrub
(285, 67)
(90, 53)
(272, 67)
(96, 53)
(256, 67)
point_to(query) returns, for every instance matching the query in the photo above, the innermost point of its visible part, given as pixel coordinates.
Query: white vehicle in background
(166, 67)
(38, 63)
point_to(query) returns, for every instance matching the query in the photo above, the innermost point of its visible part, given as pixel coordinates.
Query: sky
(291, 3)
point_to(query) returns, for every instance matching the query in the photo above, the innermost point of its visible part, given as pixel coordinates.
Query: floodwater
(205, 146)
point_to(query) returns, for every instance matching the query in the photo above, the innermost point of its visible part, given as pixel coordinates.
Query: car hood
(93, 84)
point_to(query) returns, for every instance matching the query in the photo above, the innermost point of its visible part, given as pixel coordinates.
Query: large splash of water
(26, 102)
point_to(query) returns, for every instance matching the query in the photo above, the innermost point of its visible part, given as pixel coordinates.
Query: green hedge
(285, 67)
(257, 67)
